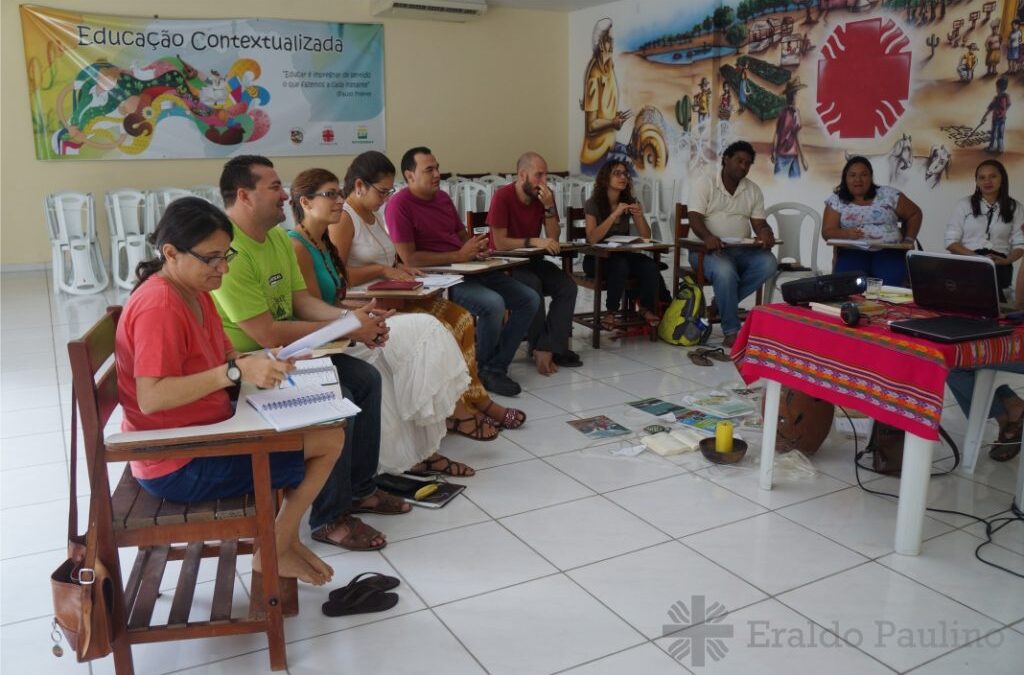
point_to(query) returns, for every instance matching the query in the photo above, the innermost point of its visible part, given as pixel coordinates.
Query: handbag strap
(91, 532)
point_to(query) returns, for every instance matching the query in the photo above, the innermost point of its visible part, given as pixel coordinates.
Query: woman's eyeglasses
(620, 174)
(214, 260)
(333, 195)
(384, 192)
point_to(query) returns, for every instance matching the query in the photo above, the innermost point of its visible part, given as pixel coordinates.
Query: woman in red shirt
(174, 365)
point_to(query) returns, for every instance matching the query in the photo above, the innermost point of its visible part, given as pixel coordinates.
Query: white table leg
(917, 465)
(771, 424)
(981, 401)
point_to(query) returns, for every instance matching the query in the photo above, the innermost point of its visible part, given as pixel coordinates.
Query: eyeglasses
(333, 195)
(384, 192)
(620, 174)
(214, 260)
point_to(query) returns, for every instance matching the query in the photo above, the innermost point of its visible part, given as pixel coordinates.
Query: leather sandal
(478, 433)
(715, 353)
(512, 419)
(387, 504)
(1007, 445)
(441, 465)
(699, 358)
(359, 538)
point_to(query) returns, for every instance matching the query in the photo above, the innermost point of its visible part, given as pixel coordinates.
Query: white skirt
(423, 376)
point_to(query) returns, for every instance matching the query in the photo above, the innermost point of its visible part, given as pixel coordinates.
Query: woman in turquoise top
(423, 374)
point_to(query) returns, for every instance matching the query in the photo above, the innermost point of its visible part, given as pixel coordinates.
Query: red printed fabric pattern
(892, 379)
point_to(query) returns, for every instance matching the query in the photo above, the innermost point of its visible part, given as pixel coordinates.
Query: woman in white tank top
(364, 246)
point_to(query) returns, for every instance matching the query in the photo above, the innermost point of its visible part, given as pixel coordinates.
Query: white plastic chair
(577, 191)
(210, 193)
(130, 220)
(78, 266)
(161, 197)
(986, 380)
(492, 178)
(648, 191)
(789, 228)
(476, 196)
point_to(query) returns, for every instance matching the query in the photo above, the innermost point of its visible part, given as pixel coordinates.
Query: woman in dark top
(613, 210)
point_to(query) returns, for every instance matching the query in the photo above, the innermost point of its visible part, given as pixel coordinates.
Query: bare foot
(545, 362)
(313, 560)
(289, 564)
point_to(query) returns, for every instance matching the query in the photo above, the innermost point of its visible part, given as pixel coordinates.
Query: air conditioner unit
(438, 10)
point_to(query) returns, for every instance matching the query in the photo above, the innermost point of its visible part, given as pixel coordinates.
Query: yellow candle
(723, 436)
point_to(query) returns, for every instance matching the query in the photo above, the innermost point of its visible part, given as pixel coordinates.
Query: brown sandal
(1007, 445)
(699, 358)
(441, 465)
(477, 434)
(359, 538)
(512, 419)
(387, 504)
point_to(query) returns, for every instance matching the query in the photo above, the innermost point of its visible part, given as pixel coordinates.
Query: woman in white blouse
(989, 222)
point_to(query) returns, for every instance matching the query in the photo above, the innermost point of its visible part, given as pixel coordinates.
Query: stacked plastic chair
(130, 219)
(210, 193)
(161, 197)
(78, 266)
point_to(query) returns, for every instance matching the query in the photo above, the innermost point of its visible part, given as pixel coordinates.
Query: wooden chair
(627, 321)
(681, 231)
(162, 530)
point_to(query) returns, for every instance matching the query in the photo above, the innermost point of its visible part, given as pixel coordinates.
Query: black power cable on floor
(992, 524)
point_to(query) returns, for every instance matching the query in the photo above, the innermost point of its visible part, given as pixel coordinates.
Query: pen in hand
(273, 358)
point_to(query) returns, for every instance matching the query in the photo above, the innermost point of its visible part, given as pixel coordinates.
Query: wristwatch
(234, 372)
(550, 211)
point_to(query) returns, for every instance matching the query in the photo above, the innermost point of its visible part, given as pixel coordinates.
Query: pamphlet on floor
(599, 427)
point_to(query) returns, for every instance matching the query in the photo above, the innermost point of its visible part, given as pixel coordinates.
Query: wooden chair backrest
(476, 219)
(575, 223)
(681, 223)
(97, 398)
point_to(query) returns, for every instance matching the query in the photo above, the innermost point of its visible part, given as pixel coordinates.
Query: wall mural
(924, 88)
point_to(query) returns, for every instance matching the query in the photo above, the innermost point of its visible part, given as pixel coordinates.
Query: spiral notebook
(287, 409)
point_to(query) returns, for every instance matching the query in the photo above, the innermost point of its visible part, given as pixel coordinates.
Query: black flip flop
(716, 353)
(374, 580)
(360, 600)
(699, 358)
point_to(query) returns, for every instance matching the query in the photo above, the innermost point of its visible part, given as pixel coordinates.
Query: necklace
(371, 228)
(326, 259)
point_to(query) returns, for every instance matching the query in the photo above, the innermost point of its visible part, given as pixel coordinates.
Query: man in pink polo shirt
(517, 215)
(427, 231)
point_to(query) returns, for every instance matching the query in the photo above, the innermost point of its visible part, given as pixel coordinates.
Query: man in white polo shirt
(726, 205)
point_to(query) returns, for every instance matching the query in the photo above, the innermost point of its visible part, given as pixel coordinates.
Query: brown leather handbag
(82, 588)
(804, 422)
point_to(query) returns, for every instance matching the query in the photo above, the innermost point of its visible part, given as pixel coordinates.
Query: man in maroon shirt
(428, 232)
(518, 212)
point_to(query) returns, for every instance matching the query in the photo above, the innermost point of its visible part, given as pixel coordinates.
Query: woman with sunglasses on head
(989, 222)
(174, 364)
(422, 372)
(613, 210)
(363, 244)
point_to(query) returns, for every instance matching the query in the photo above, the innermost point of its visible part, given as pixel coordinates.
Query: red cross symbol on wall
(863, 78)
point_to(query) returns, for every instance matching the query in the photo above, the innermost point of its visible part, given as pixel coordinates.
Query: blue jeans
(889, 265)
(352, 475)
(961, 383)
(735, 273)
(787, 165)
(487, 296)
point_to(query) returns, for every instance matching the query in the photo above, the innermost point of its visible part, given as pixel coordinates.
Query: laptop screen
(959, 284)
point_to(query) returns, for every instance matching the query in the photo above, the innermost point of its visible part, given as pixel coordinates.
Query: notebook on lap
(962, 285)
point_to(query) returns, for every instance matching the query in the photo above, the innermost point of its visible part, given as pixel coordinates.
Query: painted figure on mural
(702, 103)
(997, 108)
(968, 62)
(602, 117)
(743, 89)
(725, 103)
(993, 46)
(787, 155)
(1013, 48)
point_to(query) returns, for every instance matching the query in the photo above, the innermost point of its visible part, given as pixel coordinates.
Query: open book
(302, 406)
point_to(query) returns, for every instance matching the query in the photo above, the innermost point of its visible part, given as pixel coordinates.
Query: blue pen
(272, 358)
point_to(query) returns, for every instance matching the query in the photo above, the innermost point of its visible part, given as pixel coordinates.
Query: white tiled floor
(562, 557)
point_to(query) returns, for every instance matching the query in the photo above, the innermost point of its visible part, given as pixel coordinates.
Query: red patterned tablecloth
(894, 378)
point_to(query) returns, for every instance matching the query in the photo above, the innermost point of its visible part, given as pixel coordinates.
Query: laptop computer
(959, 284)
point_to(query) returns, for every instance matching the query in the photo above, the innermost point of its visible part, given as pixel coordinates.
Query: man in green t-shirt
(263, 303)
